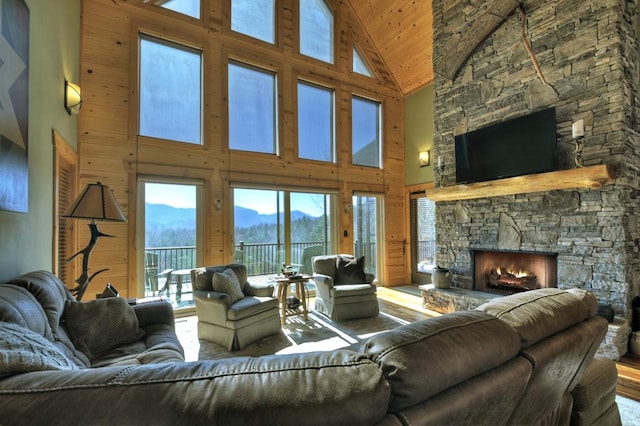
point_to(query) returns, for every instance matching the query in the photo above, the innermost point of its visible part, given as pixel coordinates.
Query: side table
(281, 291)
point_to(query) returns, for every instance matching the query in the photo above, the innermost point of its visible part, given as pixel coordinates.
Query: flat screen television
(520, 146)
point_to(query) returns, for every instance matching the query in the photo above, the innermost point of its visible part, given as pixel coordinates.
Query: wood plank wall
(111, 151)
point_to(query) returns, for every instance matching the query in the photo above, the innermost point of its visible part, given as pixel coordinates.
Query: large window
(170, 91)
(316, 30)
(315, 122)
(171, 248)
(252, 109)
(272, 227)
(255, 18)
(365, 132)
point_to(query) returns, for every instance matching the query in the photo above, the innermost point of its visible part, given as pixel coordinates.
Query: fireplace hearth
(508, 272)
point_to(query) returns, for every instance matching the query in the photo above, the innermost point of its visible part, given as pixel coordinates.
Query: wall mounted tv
(516, 147)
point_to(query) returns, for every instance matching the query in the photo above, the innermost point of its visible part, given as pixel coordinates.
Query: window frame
(201, 208)
(380, 129)
(276, 104)
(177, 43)
(227, 25)
(334, 39)
(333, 91)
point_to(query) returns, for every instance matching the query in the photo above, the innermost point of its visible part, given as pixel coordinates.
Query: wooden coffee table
(281, 291)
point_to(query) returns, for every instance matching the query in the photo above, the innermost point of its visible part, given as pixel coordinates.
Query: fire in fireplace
(508, 272)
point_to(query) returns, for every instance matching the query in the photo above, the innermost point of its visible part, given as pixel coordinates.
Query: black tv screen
(516, 147)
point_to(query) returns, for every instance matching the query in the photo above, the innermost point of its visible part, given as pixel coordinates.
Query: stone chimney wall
(587, 52)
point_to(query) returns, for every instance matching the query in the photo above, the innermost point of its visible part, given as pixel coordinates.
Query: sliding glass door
(423, 238)
(169, 238)
(274, 227)
(367, 230)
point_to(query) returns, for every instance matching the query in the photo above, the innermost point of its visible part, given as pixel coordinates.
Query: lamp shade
(96, 202)
(72, 98)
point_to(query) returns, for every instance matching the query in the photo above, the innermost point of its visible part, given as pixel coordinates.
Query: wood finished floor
(629, 377)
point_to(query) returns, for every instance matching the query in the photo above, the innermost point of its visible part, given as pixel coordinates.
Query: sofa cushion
(99, 325)
(227, 282)
(446, 350)
(350, 270)
(537, 314)
(22, 351)
(20, 307)
(50, 292)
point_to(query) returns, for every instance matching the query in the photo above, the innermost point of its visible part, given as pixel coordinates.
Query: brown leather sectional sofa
(514, 361)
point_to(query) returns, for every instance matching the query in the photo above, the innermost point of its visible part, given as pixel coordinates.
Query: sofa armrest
(324, 284)
(369, 277)
(322, 280)
(259, 289)
(212, 308)
(151, 313)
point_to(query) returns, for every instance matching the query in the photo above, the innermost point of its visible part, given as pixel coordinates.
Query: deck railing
(265, 259)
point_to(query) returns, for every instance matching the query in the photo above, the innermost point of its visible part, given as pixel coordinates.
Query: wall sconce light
(424, 158)
(72, 98)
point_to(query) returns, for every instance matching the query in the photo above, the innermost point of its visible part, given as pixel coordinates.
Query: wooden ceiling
(402, 32)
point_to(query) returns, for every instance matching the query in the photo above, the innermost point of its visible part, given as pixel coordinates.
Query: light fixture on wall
(96, 202)
(72, 98)
(424, 158)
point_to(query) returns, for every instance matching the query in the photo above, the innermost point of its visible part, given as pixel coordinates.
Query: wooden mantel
(584, 177)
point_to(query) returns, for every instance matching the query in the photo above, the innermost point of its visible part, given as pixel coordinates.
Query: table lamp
(96, 202)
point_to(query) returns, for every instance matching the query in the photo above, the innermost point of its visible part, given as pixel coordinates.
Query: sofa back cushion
(446, 351)
(537, 314)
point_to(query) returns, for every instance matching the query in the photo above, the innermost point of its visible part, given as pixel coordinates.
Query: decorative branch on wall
(460, 46)
(529, 49)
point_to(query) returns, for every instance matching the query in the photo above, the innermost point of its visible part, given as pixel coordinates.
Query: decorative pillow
(350, 270)
(22, 351)
(102, 324)
(227, 282)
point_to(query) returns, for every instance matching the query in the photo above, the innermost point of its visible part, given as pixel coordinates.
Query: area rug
(629, 411)
(317, 333)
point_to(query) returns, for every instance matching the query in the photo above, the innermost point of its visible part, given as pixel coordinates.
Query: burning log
(503, 279)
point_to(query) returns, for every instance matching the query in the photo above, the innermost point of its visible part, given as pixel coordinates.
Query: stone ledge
(447, 300)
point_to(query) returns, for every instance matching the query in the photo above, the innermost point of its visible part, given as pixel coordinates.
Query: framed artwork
(14, 105)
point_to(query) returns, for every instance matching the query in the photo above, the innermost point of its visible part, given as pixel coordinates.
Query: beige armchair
(343, 290)
(237, 317)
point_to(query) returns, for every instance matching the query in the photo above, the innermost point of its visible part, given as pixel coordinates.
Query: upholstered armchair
(343, 290)
(233, 312)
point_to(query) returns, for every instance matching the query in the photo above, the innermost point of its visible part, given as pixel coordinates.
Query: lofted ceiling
(402, 32)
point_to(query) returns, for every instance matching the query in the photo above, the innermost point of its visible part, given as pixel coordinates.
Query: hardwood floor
(629, 377)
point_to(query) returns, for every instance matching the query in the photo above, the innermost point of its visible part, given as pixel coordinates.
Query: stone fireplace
(506, 272)
(583, 61)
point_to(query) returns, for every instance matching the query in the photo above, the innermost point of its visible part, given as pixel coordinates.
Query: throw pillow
(102, 324)
(227, 282)
(350, 270)
(22, 351)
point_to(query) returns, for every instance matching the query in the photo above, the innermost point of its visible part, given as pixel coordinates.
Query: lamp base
(84, 279)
